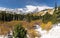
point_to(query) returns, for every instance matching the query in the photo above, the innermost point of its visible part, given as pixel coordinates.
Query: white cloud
(44, 7)
(31, 8)
(2, 8)
(28, 8)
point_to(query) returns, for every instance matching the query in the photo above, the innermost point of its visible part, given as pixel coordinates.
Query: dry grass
(7, 26)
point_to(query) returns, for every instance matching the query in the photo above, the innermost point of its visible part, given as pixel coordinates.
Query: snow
(53, 33)
(2, 36)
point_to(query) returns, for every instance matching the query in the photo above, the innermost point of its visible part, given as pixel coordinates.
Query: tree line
(9, 16)
(29, 17)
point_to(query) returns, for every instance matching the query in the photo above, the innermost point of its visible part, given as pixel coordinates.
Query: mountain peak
(27, 9)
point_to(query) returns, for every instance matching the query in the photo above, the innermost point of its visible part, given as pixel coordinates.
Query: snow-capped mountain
(27, 9)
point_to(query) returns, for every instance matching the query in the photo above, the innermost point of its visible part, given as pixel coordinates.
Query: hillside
(43, 12)
(45, 19)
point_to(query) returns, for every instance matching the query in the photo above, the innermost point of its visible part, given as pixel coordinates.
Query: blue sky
(23, 3)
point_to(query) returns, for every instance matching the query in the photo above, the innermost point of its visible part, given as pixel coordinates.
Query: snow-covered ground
(53, 33)
(6, 36)
(2, 36)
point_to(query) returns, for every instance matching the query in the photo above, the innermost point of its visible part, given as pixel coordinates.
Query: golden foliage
(33, 33)
(46, 26)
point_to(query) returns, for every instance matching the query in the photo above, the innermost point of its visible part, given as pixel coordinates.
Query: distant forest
(9, 16)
